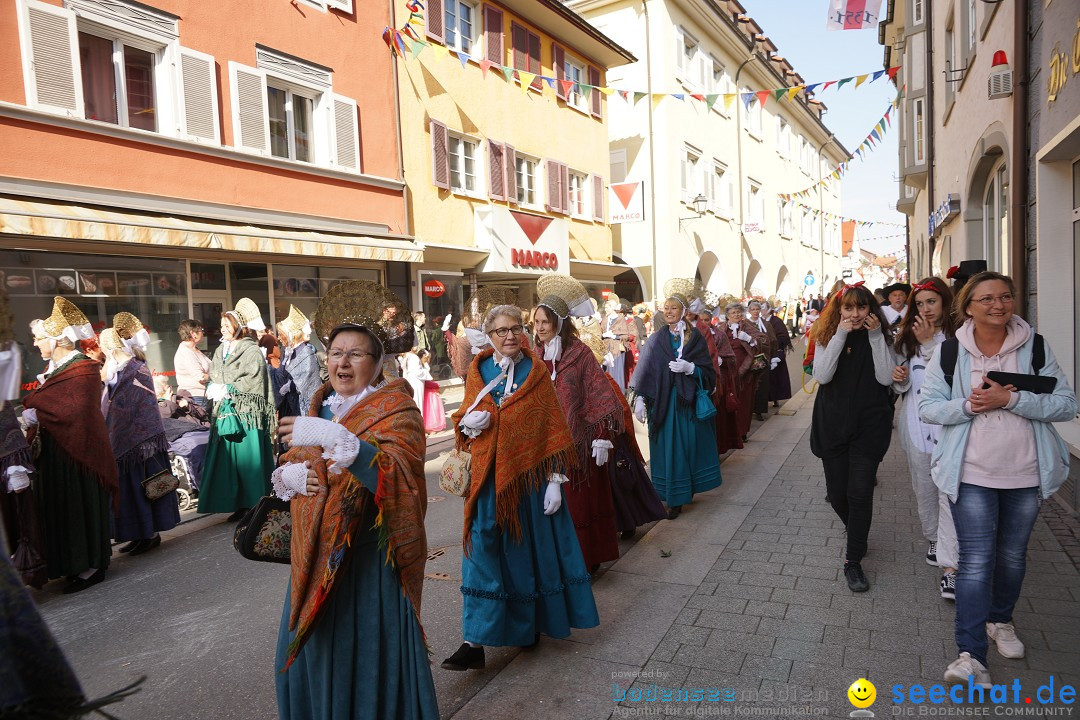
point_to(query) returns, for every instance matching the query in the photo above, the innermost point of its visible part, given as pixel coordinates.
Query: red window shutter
(534, 61)
(519, 36)
(598, 198)
(496, 171)
(564, 187)
(597, 97)
(436, 29)
(554, 193)
(494, 37)
(510, 161)
(559, 59)
(440, 158)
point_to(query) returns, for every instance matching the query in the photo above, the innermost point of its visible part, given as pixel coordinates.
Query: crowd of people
(553, 473)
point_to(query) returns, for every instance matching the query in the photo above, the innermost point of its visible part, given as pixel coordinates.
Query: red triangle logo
(625, 192)
(532, 225)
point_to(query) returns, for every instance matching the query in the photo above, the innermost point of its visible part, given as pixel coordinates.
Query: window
(751, 114)
(783, 137)
(460, 25)
(578, 184)
(686, 60)
(970, 24)
(806, 229)
(691, 174)
(290, 124)
(719, 82)
(786, 225)
(918, 131)
(527, 52)
(463, 154)
(527, 183)
(619, 167)
(719, 190)
(916, 12)
(755, 203)
(576, 73)
(996, 220)
(117, 82)
(950, 61)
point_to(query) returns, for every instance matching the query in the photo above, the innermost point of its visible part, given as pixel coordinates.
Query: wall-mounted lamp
(700, 204)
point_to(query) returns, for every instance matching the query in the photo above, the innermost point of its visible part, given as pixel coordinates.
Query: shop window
(996, 220)
(441, 296)
(303, 285)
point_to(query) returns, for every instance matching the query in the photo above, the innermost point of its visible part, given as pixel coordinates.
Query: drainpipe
(1019, 160)
(821, 212)
(738, 152)
(931, 132)
(652, 150)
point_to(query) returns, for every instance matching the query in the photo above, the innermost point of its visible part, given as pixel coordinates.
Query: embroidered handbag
(265, 532)
(456, 472)
(760, 363)
(703, 404)
(160, 485)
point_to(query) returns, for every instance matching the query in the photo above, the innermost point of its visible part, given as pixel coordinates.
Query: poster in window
(169, 284)
(96, 283)
(18, 282)
(309, 287)
(130, 284)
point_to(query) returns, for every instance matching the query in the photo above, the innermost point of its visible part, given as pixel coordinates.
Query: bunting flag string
(845, 218)
(407, 41)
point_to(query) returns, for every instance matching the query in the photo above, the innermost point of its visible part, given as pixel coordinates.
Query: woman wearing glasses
(191, 365)
(997, 458)
(522, 573)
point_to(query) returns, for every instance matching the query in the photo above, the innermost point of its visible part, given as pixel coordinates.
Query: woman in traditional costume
(239, 455)
(725, 399)
(779, 377)
(133, 334)
(298, 372)
(76, 470)
(522, 573)
(745, 342)
(682, 456)
(471, 338)
(139, 446)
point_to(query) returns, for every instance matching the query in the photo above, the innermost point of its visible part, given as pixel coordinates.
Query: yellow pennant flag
(440, 51)
(728, 99)
(657, 98)
(861, 79)
(606, 90)
(525, 78)
(792, 92)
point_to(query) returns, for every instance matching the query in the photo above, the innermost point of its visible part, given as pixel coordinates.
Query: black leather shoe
(627, 534)
(674, 512)
(856, 578)
(466, 658)
(147, 545)
(130, 546)
(79, 584)
(759, 416)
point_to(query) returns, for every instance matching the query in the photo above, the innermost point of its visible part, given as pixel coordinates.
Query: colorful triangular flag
(762, 96)
(508, 72)
(485, 65)
(843, 82)
(861, 79)
(462, 58)
(792, 92)
(638, 96)
(780, 92)
(878, 74)
(526, 79)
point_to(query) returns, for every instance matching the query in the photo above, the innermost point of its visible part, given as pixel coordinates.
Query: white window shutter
(250, 117)
(343, 5)
(346, 133)
(198, 97)
(680, 54)
(51, 71)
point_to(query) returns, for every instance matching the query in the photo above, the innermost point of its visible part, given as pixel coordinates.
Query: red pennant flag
(831, 82)
(567, 86)
(763, 96)
(892, 72)
(485, 65)
(700, 98)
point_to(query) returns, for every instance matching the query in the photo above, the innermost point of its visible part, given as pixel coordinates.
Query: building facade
(505, 149)
(734, 158)
(156, 164)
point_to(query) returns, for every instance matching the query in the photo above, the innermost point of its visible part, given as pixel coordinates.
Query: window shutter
(519, 37)
(436, 22)
(51, 58)
(496, 170)
(250, 118)
(598, 198)
(534, 61)
(680, 54)
(510, 163)
(344, 5)
(559, 59)
(346, 133)
(198, 91)
(440, 155)
(564, 188)
(494, 36)
(597, 97)
(554, 195)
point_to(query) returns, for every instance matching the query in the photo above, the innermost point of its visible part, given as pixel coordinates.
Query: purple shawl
(134, 423)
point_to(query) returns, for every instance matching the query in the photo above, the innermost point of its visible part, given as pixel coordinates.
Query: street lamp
(700, 203)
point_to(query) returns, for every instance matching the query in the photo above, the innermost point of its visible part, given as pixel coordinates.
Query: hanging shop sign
(434, 288)
(946, 211)
(627, 202)
(522, 242)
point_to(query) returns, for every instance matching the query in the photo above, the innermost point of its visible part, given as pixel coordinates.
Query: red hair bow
(952, 271)
(847, 287)
(928, 285)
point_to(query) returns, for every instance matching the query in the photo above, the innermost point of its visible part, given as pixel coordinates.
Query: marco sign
(627, 202)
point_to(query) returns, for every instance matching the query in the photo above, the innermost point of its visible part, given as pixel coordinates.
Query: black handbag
(265, 532)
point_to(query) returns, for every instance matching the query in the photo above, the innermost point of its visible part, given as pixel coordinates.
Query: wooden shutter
(496, 170)
(440, 155)
(494, 36)
(554, 195)
(250, 117)
(51, 58)
(346, 133)
(198, 93)
(597, 97)
(510, 162)
(564, 187)
(519, 38)
(345, 5)
(534, 61)
(436, 21)
(559, 60)
(598, 198)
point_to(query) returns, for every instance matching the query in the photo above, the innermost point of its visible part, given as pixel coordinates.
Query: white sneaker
(965, 666)
(1004, 636)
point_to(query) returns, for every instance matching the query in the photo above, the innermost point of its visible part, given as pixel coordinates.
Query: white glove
(446, 322)
(290, 479)
(681, 366)
(339, 445)
(552, 498)
(745, 337)
(29, 416)
(600, 451)
(18, 479)
(217, 392)
(773, 363)
(608, 335)
(609, 360)
(719, 361)
(639, 410)
(285, 389)
(475, 423)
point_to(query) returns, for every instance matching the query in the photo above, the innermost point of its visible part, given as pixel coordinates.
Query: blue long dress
(514, 590)
(365, 658)
(683, 458)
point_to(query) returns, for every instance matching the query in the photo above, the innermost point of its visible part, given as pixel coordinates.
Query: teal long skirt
(514, 590)
(365, 658)
(236, 473)
(683, 458)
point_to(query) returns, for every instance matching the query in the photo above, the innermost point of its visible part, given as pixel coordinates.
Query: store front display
(441, 294)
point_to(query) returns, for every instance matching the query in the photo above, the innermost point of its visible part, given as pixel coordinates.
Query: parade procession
(474, 359)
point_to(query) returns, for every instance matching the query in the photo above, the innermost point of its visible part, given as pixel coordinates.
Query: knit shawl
(246, 374)
(135, 428)
(535, 443)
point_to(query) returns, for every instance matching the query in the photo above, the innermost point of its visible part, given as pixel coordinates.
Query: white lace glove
(339, 445)
(289, 480)
(553, 496)
(608, 335)
(600, 451)
(475, 423)
(29, 416)
(217, 392)
(681, 366)
(285, 389)
(609, 360)
(18, 479)
(773, 363)
(745, 337)
(719, 361)
(639, 410)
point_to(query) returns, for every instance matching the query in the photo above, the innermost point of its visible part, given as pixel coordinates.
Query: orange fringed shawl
(323, 525)
(528, 439)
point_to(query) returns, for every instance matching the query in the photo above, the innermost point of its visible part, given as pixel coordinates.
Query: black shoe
(467, 657)
(235, 517)
(147, 545)
(79, 583)
(759, 416)
(776, 404)
(674, 512)
(856, 578)
(627, 534)
(534, 643)
(130, 546)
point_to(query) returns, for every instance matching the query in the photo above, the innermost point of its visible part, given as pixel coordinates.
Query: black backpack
(951, 347)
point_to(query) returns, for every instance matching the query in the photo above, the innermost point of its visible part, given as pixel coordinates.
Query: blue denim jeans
(992, 528)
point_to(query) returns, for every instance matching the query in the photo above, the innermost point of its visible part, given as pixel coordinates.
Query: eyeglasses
(516, 329)
(355, 356)
(988, 300)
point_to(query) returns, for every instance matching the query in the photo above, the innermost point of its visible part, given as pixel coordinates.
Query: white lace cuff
(558, 478)
(289, 480)
(339, 445)
(18, 478)
(603, 444)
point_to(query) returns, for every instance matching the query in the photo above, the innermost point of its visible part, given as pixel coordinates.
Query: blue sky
(797, 28)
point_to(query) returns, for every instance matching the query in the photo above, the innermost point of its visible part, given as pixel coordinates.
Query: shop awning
(596, 269)
(40, 218)
(463, 256)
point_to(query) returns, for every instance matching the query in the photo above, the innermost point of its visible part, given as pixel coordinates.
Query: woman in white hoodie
(998, 456)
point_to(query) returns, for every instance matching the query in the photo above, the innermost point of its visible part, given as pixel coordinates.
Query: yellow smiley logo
(862, 693)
